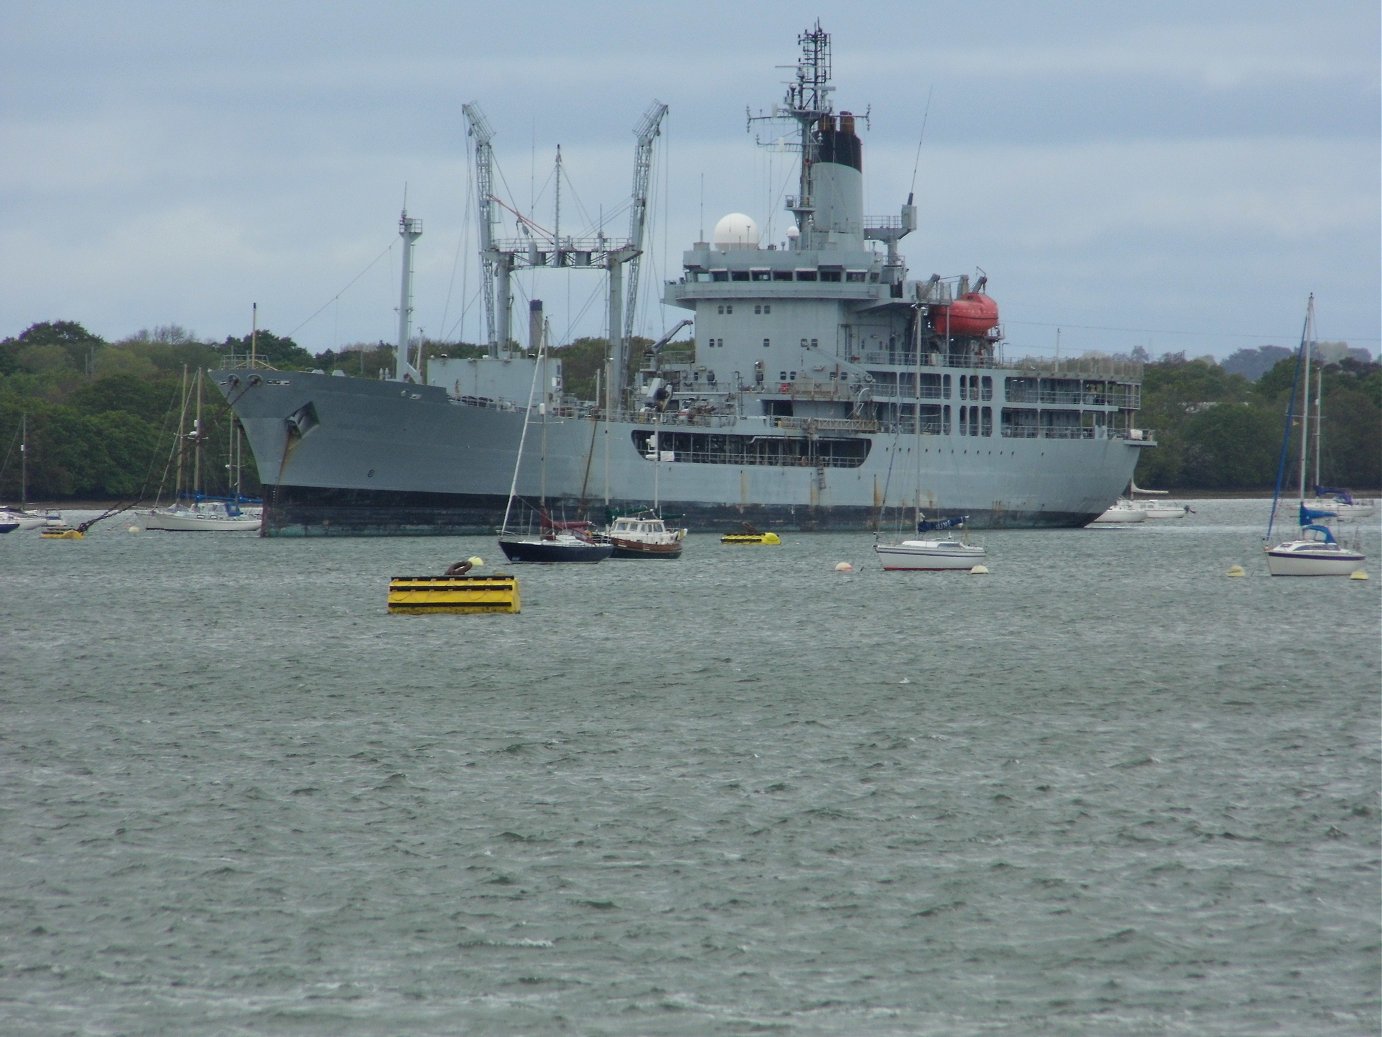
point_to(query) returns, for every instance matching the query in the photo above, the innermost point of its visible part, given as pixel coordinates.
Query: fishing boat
(543, 538)
(645, 535)
(812, 344)
(192, 510)
(1314, 551)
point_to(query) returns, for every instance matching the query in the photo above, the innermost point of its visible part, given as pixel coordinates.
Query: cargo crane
(537, 247)
(647, 132)
(484, 168)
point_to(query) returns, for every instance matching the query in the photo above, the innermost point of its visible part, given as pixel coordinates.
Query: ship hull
(341, 456)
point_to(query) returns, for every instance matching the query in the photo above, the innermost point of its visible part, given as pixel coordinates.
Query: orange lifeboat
(971, 314)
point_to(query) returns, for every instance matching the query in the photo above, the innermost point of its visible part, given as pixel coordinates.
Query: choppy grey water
(1105, 789)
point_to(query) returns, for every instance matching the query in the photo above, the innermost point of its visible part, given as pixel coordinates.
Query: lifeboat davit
(971, 314)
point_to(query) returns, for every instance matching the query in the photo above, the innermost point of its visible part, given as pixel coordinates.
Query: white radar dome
(736, 231)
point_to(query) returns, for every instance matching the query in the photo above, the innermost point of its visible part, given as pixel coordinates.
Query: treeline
(101, 418)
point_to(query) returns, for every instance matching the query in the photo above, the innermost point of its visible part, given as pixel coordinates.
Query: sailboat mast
(1305, 392)
(1319, 420)
(182, 438)
(24, 460)
(916, 441)
(522, 439)
(546, 392)
(197, 442)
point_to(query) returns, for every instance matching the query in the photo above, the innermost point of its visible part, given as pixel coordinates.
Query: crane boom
(484, 179)
(647, 132)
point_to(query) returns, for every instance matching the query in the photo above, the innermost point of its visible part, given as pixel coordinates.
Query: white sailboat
(1146, 502)
(929, 554)
(1334, 500)
(1121, 512)
(1315, 551)
(23, 516)
(191, 510)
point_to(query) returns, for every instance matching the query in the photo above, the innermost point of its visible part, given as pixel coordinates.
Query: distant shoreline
(90, 505)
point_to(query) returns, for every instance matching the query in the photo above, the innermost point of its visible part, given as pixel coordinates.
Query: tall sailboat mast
(1305, 399)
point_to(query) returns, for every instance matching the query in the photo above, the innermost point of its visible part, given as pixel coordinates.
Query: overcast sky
(1176, 175)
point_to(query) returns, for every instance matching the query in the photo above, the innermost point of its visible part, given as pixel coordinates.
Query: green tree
(1231, 447)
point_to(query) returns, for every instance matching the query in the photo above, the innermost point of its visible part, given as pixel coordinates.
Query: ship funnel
(836, 179)
(535, 325)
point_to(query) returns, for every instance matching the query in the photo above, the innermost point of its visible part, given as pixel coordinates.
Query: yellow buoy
(1359, 574)
(979, 570)
(1235, 570)
(454, 594)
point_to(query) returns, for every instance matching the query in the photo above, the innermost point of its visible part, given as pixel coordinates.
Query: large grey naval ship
(824, 388)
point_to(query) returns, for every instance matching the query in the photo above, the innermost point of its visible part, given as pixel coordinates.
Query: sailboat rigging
(192, 509)
(553, 541)
(945, 553)
(1315, 551)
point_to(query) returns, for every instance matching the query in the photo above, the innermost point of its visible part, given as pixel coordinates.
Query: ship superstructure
(823, 388)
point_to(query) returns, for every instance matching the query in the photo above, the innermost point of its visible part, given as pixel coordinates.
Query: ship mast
(409, 230)
(807, 103)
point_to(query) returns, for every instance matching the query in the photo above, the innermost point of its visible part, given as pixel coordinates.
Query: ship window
(806, 275)
(702, 277)
(782, 275)
(803, 343)
(814, 344)
(855, 276)
(833, 276)
(782, 376)
(738, 275)
(719, 275)
(766, 343)
(757, 308)
(720, 308)
(761, 275)
(729, 308)
(767, 307)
